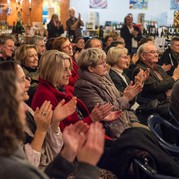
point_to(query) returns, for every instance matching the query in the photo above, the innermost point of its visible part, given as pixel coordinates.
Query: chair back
(155, 123)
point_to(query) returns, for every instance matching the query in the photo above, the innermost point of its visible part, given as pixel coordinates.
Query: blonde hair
(52, 66)
(114, 53)
(21, 52)
(90, 57)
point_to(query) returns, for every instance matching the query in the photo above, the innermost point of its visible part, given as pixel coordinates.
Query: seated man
(6, 47)
(170, 57)
(157, 87)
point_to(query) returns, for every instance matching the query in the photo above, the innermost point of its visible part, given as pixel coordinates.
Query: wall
(158, 10)
(36, 12)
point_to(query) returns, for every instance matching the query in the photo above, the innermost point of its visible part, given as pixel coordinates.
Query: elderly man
(170, 57)
(6, 47)
(74, 24)
(157, 87)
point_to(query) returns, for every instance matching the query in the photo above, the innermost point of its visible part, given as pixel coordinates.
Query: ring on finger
(44, 113)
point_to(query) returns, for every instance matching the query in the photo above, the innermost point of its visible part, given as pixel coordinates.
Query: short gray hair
(35, 39)
(90, 57)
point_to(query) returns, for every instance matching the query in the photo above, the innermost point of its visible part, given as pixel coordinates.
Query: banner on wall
(174, 4)
(98, 4)
(138, 4)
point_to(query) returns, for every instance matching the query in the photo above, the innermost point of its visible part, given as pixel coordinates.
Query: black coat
(125, 33)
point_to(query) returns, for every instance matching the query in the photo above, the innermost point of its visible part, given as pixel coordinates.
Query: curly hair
(11, 129)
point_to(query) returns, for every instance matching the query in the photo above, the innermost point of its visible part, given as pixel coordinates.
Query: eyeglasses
(102, 63)
(68, 46)
(152, 52)
(125, 57)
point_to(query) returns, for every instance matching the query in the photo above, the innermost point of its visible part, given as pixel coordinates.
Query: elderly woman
(12, 120)
(27, 56)
(95, 86)
(117, 58)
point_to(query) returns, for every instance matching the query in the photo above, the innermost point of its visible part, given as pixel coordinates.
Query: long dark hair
(11, 129)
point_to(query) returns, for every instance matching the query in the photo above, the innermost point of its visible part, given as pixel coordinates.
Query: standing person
(55, 27)
(131, 34)
(6, 47)
(74, 25)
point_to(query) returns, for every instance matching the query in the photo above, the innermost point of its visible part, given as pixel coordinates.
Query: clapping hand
(64, 110)
(99, 112)
(43, 116)
(91, 149)
(72, 136)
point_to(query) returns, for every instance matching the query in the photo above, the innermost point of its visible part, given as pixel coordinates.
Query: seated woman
(95, 86)
(27, 56)
(43, 139)
(12, 121)
(55, 72)
(117, 58)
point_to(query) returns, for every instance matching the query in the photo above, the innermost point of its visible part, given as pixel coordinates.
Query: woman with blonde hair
(26, 55)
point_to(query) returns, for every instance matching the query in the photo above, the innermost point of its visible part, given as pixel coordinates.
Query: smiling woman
(27, 56)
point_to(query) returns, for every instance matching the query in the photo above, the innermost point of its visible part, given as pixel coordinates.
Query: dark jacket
(133, 141)
(169, 58)
(118, 81)
(54, 31)
(125, 33)
(154, 88)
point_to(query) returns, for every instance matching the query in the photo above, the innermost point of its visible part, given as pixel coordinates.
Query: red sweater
(46, 91)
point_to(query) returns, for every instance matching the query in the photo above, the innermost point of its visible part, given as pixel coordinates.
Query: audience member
(27, 56)
(170, 58)
(40, 43)
(107, 41)
(54, 27)
(78, 46)
(49, 43)
(93, 43)
(74, 25)
(115, 44)
(157, 88)
(131, 34)
(6, 47)
(118, 60)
